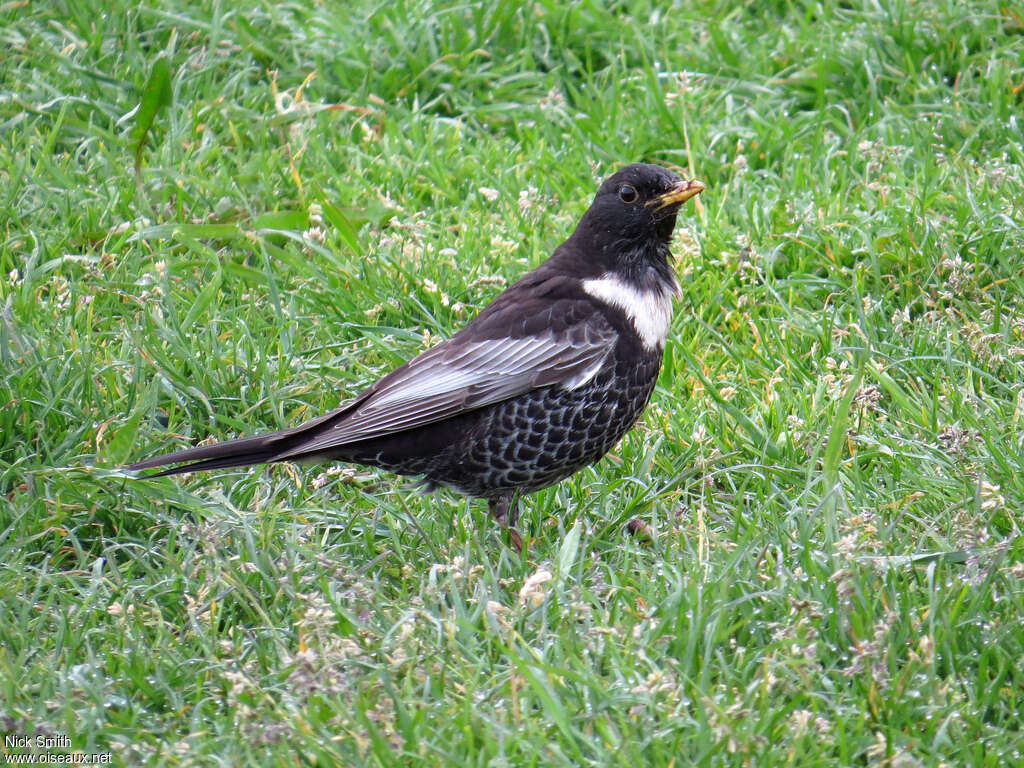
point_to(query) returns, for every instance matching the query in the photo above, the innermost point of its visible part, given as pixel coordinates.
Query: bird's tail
(245, 451)
(231, 453)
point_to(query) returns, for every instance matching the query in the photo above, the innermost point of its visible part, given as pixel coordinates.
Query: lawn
(218, 219)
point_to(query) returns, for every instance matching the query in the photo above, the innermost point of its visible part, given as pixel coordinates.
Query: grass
(831, 469)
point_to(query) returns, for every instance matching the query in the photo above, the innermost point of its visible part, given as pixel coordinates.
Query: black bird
(543, 382)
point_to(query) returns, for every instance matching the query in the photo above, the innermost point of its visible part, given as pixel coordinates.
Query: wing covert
(462, 374)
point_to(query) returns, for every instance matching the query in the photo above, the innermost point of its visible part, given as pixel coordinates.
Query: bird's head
(632, 217)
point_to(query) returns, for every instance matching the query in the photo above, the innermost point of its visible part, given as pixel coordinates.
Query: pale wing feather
(448, 380)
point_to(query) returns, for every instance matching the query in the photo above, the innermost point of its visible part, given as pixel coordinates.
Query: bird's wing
(460, 375)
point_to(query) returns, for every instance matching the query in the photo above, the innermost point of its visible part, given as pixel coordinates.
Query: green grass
(831, 469)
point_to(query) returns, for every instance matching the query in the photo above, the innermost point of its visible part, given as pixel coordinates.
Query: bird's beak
(678, 195)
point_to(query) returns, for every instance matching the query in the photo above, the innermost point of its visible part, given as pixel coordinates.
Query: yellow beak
(678, 195)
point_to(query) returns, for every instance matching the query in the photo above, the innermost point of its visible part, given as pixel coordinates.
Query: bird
(543, 382)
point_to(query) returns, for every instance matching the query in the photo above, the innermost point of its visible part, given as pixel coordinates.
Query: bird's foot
(505, 510)
(516, 540)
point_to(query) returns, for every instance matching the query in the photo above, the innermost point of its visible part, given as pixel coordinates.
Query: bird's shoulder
(545, 303)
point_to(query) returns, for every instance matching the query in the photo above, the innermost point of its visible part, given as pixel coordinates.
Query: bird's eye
(627, 194)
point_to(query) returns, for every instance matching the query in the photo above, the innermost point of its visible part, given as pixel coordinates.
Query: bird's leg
(505, 509)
